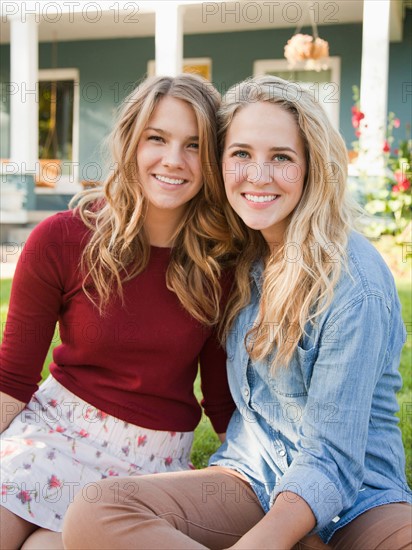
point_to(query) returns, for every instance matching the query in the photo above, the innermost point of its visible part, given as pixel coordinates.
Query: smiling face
(264, 167)
(168, 160)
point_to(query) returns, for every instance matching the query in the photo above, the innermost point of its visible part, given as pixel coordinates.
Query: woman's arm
(217, 400)
(34, 306)
(286, 523)
(10, 408)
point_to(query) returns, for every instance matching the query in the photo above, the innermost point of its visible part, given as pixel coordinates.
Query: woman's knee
(83, 516)
(102, 511)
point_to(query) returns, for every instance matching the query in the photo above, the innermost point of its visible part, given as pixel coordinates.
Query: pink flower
(83, 433)
(168, 460)
(53, 403)
(396, 123)
(402, 180)
(358, 133)
(403, 183)
(357, 116)
(112, 473)
(386, 147)
(60, 429)
(9, 450)
(54, 482)
(24, 496)
(141, 440)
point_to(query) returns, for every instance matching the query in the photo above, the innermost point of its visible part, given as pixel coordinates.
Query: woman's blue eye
(282, 158)
(194, 145)
(241, 154)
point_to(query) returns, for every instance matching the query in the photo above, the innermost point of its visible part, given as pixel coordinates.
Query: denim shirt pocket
(293, 381)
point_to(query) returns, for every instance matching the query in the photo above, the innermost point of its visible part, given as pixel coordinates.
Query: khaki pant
(209, 508)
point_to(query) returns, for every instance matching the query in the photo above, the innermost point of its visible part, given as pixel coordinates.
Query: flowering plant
(392, 199)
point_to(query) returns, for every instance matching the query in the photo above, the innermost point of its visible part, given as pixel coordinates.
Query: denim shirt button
(246, 392)
(282, 452)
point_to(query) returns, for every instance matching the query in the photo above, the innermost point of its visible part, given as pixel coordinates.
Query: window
(59, 123)
(324, 84)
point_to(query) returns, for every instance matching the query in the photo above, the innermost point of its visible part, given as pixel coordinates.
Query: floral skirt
(60, 445)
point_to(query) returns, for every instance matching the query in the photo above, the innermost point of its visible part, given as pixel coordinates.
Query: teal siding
(110, 68)
(5, 101)
(233, 55)
(400, 77)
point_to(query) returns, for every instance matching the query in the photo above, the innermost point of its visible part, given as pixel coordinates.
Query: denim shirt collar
(256, 274)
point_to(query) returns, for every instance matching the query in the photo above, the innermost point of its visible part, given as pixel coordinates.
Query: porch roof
(85, 20)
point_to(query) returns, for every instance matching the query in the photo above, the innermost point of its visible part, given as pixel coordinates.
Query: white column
(169, 38)
(24, 97)
(374, 83)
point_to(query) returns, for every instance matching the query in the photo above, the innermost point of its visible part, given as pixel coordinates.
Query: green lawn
(205, 439)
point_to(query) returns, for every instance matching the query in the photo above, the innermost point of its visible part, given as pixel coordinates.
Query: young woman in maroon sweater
(135, 277)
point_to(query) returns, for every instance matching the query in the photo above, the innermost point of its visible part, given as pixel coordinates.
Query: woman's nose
(173, 157)
(259, 173)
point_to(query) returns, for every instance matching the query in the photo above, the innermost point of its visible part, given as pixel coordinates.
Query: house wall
(110, 68)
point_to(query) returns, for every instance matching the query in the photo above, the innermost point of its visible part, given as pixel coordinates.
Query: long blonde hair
(298, 284)
(118, 249)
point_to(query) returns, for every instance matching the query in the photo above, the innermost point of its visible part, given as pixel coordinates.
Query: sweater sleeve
(217, 400)
(35, 302)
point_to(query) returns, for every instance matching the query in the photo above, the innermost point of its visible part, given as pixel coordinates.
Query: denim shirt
(325, 426)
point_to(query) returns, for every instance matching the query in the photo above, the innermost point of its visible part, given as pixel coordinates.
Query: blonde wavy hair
(118, 249)
(296, 290)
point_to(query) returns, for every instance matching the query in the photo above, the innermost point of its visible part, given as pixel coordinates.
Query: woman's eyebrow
(242, 145)
(166, 133)
(247, 146)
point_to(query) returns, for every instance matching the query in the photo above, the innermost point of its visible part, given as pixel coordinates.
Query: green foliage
(387, 198)
(405, 395)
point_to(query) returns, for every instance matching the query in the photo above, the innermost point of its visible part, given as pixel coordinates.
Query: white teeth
(169, 180)
(260, 198)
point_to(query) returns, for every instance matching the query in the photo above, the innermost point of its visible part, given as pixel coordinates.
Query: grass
(206, 442)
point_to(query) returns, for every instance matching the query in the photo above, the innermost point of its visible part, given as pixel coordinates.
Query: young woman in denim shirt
(313, 456)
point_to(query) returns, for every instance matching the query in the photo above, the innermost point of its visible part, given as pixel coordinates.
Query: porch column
(24, 93)
(374, 83)
(169, 38)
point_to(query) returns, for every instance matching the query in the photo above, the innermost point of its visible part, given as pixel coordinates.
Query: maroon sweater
(138, 362)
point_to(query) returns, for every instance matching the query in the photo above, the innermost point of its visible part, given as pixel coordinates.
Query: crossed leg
(206, 509)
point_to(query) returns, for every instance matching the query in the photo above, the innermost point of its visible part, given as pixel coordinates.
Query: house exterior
(90, 55)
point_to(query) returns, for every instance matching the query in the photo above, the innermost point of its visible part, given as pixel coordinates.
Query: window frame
(206, 61)
(263, 66)
(68, 74)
